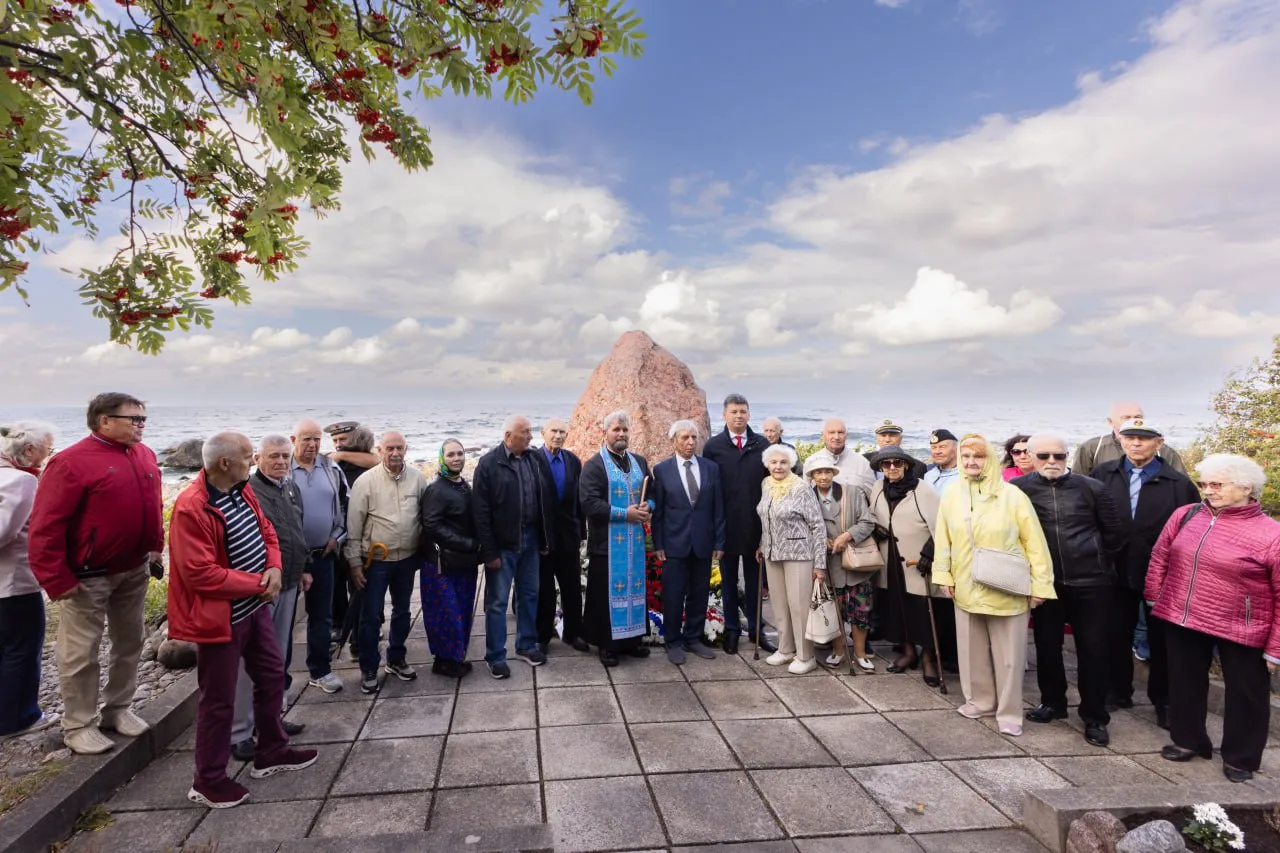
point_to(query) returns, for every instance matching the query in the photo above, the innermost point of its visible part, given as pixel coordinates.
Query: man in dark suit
(688, 533)
(561, 564)
(738, 452)
(1147, 490)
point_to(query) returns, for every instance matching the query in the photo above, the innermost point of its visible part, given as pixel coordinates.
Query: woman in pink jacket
(1215, 580)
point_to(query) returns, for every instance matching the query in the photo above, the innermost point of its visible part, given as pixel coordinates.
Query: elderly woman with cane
(452, 558)
(793, 548)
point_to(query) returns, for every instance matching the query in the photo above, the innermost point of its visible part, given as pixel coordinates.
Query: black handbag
(456, 561)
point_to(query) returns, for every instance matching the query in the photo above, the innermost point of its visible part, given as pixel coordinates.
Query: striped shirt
(246, 549)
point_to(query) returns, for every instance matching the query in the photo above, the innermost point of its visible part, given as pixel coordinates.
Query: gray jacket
(282, 505)
(793, 528)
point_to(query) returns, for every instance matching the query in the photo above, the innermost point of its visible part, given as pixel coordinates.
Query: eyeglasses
(1057, 457)
(1019, 451)
(1217, 487)
(136, 420)
(892, 463)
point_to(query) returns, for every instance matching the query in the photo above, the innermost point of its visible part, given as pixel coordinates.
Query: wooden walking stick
(759, 605)
(937, 650)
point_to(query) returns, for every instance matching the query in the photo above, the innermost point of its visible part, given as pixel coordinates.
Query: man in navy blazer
(688, 532)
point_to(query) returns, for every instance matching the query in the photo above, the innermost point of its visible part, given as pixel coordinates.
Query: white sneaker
(46, 720)
(126, 723)
(328, 682)
(88, 741)
(800, 667)
(778, 659)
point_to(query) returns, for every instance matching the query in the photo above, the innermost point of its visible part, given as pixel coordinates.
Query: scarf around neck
(781, 488)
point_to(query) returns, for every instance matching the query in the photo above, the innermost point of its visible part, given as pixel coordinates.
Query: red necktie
(738, 439)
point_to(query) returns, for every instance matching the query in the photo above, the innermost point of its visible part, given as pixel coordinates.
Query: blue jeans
(522, 567)
(319, 616)
(398, 576)
(1140, 644)
(21, 644)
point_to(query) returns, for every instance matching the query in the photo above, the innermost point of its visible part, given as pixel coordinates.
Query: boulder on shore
(176, 654)
(651, 385)
(184, 456)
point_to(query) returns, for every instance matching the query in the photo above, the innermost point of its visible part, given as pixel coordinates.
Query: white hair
(685, 425)
(619, 417)
(224, 445)
(16, 437)
(514, 421)
(1041, 438)
(274, 439)
(775, 450)
(1233, 468)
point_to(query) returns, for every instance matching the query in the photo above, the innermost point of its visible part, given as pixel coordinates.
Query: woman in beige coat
(793, 548)
(905, 509)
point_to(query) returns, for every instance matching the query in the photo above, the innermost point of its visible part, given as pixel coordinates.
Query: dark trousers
(1124, 618)
(21, 645)
(319, 615)
(341, 589)
(1088, 610)
(1247, 715)
(729, 587)
(563, 569)
(396, 576)
(686, 585)
(253, 640)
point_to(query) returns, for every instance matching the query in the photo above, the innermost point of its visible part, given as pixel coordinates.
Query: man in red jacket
(96, 524)
(225, 567)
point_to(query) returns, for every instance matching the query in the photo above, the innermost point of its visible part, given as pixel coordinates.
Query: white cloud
(1208, 314)
(763, 326)
(675, 315)
(280, 339)
(941, 307)
(600, 330)
(698, 195)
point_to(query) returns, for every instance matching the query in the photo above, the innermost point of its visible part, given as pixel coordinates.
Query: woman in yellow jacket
(991, 625)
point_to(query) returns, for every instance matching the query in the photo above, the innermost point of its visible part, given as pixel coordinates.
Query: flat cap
(341, 427)
(887, 426)
(1137, 426)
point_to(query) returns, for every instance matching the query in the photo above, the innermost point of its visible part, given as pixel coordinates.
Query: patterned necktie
(738, 439)
(1135, 487)
(690, 482)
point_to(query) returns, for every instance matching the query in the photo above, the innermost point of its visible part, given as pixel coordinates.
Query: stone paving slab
(366, 771)
(480, 681)
(902, 692)
(163, 785)
(488, 712)
(774, 743)
(506, 805)
(330, 722)
(947, 735)
(253, 822)
(805, 801)
(1129, 734)
(139, 831)
(579, 671)
(356, 817)
(1048, 739)
(676, 747)
(659, 702)
(576, 706)
(310, 784)
(578, 752)
(1005, 781)
(859, 844)
(980, 841)
(927, 798)
(416, 716)
(489, 758)
(575, 810)
(739, 700)
(808, 697)
(1103, 771)
(700, 808)
(864, 739)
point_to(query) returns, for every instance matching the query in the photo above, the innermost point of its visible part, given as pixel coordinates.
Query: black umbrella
(356, 601)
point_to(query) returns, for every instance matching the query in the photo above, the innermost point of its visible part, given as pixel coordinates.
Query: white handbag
(1001, 570)
(824, 615)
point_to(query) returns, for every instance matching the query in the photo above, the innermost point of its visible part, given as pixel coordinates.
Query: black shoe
(448, 668)
(580, 644)
(1162, 717)
(763, 642)
(730, 644)
(638, 651)
(701, 650)
(291, 728)
(903, 665)
(465, 667)
(1046, 714)
(243, 751)
(402, 671)
(608, 657)
(533, 657)
(369, 683)
(1096, 734)
(500, 670)
(1172, 752)
(1236, 774)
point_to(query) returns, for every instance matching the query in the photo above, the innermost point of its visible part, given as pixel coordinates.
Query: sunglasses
(137, 420)
(892, 463)
(1019, 451)
(1057, 457)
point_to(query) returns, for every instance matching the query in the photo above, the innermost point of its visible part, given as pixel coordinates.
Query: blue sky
(1069, 200)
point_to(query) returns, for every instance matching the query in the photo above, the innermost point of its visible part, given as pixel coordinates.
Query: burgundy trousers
(217, 667)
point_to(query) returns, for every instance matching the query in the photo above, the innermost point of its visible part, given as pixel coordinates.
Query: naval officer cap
(1138, 426)
(888, 427)
(341, 427)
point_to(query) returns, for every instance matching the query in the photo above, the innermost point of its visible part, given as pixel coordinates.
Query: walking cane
(937, 649)
(759, 606)
(356, 601)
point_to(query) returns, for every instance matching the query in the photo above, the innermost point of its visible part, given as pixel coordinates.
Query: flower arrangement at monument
(714, 625)
(1212, 829)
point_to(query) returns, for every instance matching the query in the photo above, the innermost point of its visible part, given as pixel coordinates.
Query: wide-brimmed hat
(1138, 426)
(819, 463)
(891, 452)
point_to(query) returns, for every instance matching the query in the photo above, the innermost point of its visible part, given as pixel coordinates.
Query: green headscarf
(444, 468)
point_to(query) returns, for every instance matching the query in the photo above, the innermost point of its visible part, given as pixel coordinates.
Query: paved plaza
(649, 756)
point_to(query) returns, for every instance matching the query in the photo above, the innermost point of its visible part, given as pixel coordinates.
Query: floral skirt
(855, 603)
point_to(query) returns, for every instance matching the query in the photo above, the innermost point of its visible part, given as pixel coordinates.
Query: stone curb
(1048, 814)
(90, 779)
(530, 838)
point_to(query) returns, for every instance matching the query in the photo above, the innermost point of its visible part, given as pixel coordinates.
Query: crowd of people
(944, 560)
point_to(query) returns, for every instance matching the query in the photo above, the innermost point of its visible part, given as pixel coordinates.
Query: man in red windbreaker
(225, 567)
(96, 524)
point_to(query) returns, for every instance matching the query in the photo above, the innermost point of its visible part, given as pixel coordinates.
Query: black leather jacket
(448, 521)
(497, 502)
(1084, 528)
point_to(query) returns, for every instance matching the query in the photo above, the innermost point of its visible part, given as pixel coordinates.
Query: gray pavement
(649, 756)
